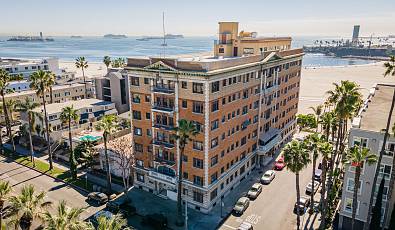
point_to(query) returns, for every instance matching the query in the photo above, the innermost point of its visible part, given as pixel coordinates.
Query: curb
(56, 179)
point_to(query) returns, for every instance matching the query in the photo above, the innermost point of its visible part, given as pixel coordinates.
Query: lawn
(43, 167)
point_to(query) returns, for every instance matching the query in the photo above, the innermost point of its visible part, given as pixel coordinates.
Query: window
(197, 163)
(214, 142)
(146, 81)
(138, 147)
(184, 104)
(360, 141)
(348, 205)
(149, 132)
(197, 107)
(385, 171)
(214, 124)
(185, 175)
(215, 87)
(197, 196)
(213, 194)
(243, 141)
(214, 106)
(351, 184)
(136, 115)
(140, 177)
(197, 87)
(147, 98)
(197, 145)
(389, 149)
(214, 160)
(214, 177)
(184, 85)
(135, 81)
(199, 127)
(221, 50)
(245, 110)
(138, 131)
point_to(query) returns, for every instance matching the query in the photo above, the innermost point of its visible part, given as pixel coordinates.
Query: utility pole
(186, 214)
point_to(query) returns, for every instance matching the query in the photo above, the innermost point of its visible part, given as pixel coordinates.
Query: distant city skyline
(195, 18)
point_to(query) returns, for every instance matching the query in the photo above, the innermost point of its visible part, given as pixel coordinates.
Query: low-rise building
(366, 131)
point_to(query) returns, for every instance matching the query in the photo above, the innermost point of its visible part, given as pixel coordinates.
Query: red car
(279, 164)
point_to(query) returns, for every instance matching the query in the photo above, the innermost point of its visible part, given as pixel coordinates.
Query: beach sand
(315, 82)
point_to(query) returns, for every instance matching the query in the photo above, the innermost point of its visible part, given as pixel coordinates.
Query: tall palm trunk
(71, 156)
(83, 75)
(107, 165)
(179, 198)
(312, 186)
(1, 140)
(7, 122)
(30, 141)
(333, 157)
(323, 190)
(47, 133)
(386, 135)
(50, 94)
(355, 195)
(1, 213)
(297, 201)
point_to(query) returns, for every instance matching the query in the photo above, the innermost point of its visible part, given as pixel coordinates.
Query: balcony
(162, 143)
(164, 161)
(165, 127)
(269, 140)
(164, 89)
(271, 89)
(163, 108)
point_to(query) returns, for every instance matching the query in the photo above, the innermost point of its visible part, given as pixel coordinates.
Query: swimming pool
(89, 138)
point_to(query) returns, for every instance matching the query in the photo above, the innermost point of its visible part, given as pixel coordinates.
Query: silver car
(241, 205)
(255, 190)
(268, 177)
(309, 187)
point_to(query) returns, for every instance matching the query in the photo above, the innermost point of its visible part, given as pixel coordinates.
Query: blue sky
(197, 17)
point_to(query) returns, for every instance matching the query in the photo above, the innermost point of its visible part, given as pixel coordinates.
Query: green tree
(107, 61)
(296, 158)
(69, 116)
(82, 64)
(5, 190)
(108, 124)
(312, 144)
(28, 107)
(27, 206)
(328, 120)
(118, 63)
(376, 215)
(317, 112)
(389, 70)
(325, 149)
(84, 153)
(115, 222)
(184, 133)
(42, 82)
(306, 121)
(357, 157)
(65, 219)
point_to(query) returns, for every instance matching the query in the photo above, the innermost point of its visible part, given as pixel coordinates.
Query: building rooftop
(20, 61)
(54, 88)
(79, 104)
(374, 114)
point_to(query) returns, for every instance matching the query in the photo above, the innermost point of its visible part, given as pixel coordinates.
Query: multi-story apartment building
(113, 87)
(366, 131)
(244, 108)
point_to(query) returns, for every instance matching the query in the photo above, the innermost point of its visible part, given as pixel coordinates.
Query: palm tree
(390, 70)
(70, 116)
(325, 149)
(11, 106)
(184, 132)
(5, 190)
(327, 121)
(118, 63)
(42, 81)
(108, 124)
(317, 112)
(115, 222)
(312, 143)
(27, 206)
(65, 219)
(107, 61)
(356, 157)
(296, 158)
(51, 83)
(84, 153)
(28, 107)
(80, 62)
(1, 130)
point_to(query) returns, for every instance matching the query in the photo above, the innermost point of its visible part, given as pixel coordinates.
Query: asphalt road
(19, 176)
(273, 209)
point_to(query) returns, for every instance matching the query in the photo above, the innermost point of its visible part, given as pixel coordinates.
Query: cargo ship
(31, 39)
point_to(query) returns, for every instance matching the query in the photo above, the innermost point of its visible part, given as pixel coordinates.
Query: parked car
(99, 197)
(107, 214)
(318, 175)
(255, 190)
(245, 226)
(279, 164)
(268, 177)
(158, 221)
(304, 202)
(309, 187)
(121, 206)
(241, 205)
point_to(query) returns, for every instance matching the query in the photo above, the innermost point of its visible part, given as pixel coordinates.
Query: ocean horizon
(94, 48)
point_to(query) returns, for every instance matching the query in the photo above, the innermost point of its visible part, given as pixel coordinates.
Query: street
(19, 175)
(273, 209)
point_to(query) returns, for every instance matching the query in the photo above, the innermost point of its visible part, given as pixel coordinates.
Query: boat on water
(167, 36)
(31, 39)
(73, 36)
(142, 39)
(115, 36)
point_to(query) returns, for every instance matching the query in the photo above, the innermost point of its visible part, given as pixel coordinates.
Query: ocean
(95, 48)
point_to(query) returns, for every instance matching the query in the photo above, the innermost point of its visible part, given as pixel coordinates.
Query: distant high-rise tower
(41, 34)
(355, 33)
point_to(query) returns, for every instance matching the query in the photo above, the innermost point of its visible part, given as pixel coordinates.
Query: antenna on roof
(164, 35)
